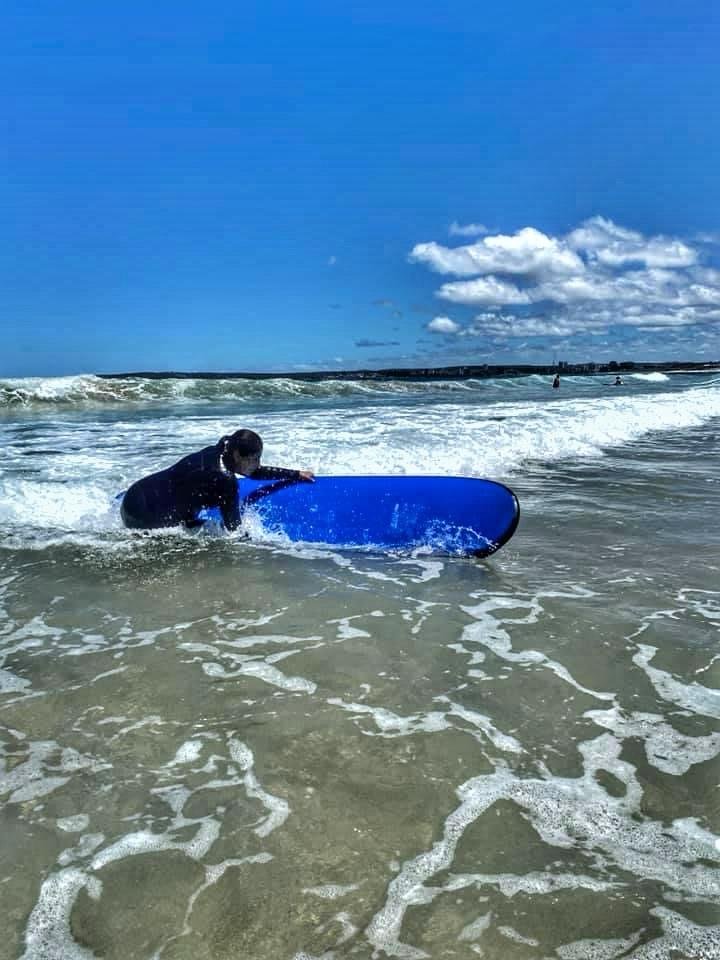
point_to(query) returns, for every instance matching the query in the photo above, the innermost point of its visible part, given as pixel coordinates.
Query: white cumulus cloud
(443, 325)
(527, 252)
(599, 275)
(615, 246)
(484, 290)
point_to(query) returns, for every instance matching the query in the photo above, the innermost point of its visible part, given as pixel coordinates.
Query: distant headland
(460, 372)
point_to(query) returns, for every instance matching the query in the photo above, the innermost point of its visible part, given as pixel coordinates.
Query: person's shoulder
(202, 459)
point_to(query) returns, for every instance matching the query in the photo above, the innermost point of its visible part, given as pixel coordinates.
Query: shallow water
(222, 748)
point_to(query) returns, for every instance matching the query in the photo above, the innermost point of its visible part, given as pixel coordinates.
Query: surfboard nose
(511, 528)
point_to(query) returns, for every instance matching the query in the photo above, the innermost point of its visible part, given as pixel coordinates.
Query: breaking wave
(90, 391)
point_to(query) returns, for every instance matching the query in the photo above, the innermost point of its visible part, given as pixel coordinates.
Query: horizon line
(458, 370)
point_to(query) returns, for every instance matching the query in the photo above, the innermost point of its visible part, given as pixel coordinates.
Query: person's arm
(280, 473)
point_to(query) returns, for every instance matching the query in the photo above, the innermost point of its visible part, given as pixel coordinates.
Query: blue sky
(273, 186)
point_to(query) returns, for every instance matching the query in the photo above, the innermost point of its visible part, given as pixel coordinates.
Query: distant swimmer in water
(206, 478)
(618, 382)
(556, 381)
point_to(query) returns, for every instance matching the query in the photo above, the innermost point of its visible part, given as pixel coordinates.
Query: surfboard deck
(455, 515)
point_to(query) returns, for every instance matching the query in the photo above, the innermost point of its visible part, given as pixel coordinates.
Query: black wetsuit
(176, 495)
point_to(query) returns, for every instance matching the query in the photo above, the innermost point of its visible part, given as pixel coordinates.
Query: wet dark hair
(244, 442)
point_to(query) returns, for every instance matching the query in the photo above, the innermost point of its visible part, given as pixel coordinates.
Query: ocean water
(232, 748)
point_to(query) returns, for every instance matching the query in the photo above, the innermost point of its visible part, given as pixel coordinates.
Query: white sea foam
(655, 377)
(421, 611)
(246, 643)
(88, 843)
(489, 631)
(484, 724)
(52, 390)
(567, 813)
(391, 724)
(70, 494)
(152, 720)
(512, 934)
(346, 632)
(45, 768)
(47, 936)
(510, 884)
(666, 749)
(74, 824)
(261, 670)
(11, 683)
(213, 873)
(78, 505)
(680, 937)
(348, 929)
(302, 955)
(332, 891)
(597, 949)
(278, 809)
(176, 796)
(188, 752)
(693, 696)
(473, 931)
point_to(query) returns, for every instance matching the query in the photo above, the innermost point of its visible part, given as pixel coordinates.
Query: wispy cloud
(467, 230)
(711, 238)
(377, 343)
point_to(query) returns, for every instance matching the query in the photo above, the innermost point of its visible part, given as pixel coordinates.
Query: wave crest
(92, 390)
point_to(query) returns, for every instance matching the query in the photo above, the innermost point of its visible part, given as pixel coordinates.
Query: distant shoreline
(463, 372)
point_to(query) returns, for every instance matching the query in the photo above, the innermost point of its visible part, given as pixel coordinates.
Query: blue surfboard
(456, 515)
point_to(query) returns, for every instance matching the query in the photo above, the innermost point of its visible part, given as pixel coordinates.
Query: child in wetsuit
(203, 479)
